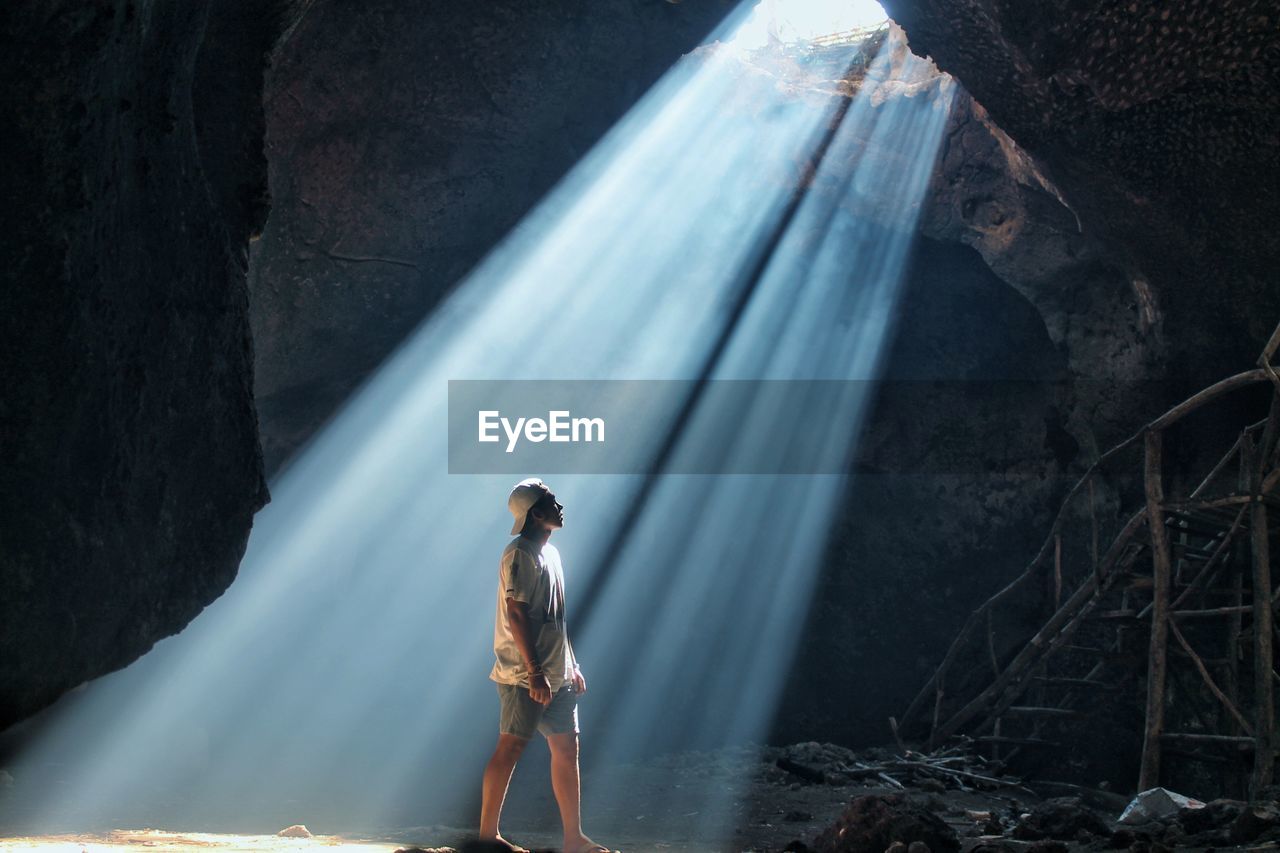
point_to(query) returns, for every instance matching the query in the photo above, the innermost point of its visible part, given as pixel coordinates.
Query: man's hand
(579, 683)
(539, 689)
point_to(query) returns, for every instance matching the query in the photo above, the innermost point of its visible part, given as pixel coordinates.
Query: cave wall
(405, 140)
(1099, 163)
(960, 466)
(133, 182)
(1159, 124)
(1107, 163)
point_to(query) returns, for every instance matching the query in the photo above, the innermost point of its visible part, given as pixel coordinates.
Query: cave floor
(159, 840)
(662, 804)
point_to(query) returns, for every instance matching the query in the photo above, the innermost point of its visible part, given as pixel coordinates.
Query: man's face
(548, 511)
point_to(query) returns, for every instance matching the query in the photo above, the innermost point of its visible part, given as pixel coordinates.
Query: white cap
(524, 495)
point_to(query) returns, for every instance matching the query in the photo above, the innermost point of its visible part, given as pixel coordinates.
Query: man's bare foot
(582, 844)
(503, 843)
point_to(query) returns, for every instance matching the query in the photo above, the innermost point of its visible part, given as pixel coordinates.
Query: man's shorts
(521, 716)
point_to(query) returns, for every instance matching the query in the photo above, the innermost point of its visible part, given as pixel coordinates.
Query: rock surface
(403, 145)
(298, 830)
(1063, 819)
(133, 183)
(1157, 123)
(1220, 823)
(874, 822)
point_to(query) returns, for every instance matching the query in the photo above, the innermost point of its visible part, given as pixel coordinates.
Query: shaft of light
(342, 677)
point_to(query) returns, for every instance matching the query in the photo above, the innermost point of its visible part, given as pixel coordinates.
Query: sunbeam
(744, 222)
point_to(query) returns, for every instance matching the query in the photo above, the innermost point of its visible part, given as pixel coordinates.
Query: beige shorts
(521, 716)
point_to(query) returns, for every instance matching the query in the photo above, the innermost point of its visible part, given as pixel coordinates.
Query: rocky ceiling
(1160, 124)
(1107, 197)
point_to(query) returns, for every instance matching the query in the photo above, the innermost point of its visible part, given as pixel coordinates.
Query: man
(538, 677)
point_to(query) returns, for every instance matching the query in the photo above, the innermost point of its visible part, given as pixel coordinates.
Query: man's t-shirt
(536, 578)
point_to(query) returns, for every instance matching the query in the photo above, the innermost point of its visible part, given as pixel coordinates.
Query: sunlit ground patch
(159, 840)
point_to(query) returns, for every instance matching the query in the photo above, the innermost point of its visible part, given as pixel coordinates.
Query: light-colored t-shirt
(536, 578)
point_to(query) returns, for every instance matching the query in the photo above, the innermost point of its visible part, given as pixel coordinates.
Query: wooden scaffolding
(1181, 575)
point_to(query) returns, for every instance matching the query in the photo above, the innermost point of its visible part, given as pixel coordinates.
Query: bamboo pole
(1057, 571)
(1054, 635)
(1234, 624)
(1233, 610)
(930, 687)
(1186, 407)
(1208, 679)
(1064, 681)
(1217, 469)
(1264, 696)
(1157, 659)
(991, 645)
(1270, 349)
(1269, 433)
(937, 712)
(1216, 503)
(1265, 359)
(1043, 711)
(1181, 562)
(1093, 529)
(1049, 638)
(1019, 664)
(1238, 782)
(1171, 416)
(1214, 391)
(1068, 698)
(1180, 678)
(1005, 700)
(1062, 640)
(1207, 738)
(1211, 565)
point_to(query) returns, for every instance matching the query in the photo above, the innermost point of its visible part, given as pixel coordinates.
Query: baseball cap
(524, 495)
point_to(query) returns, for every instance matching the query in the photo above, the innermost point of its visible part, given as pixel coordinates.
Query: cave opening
(805, 24)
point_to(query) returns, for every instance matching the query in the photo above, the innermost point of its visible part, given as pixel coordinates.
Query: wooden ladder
(1177, 575)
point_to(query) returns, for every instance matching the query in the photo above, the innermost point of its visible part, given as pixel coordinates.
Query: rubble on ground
(1061, 819)
(875, 823)
(824, 798)
(957, 767)
(1016, 821)
(295, 831)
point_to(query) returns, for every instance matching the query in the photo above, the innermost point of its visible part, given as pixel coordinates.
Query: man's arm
(579, 683)
(522, 632)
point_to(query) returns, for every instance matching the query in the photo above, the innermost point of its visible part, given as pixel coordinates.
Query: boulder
(1061, 818)
(1254, 821)
(872, 823)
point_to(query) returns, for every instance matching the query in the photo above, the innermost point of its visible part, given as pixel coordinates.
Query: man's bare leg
(567, 786)
(497, 776)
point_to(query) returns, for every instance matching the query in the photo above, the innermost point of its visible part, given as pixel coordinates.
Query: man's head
(532, 503)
